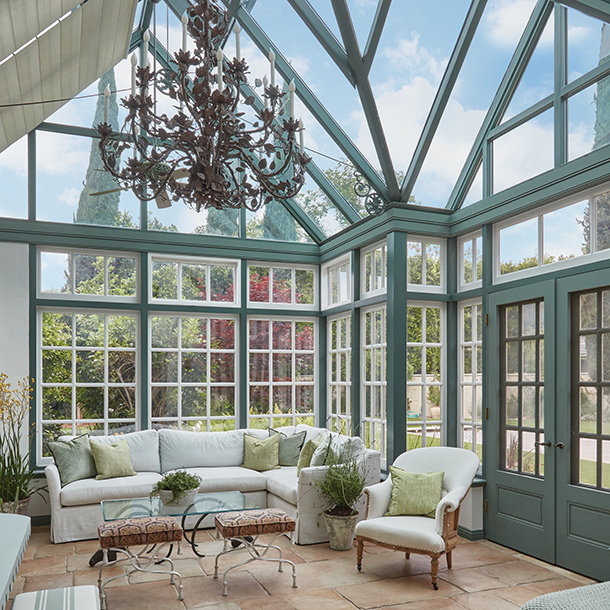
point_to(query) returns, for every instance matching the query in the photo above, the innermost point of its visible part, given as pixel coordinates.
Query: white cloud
(61, 154)
(506, 20)
(70, 196)
(14, 158)
(411, 56)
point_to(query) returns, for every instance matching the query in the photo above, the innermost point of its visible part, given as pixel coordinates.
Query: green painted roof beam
(324, 36)
(146, 15)
(383, 6)
(367, 99)
(349, 149)
(473, 17)
(531, 35)
(599, 9)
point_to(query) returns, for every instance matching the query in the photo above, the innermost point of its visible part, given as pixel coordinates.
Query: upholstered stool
(85, 597)
(245, 526)
(153, 532)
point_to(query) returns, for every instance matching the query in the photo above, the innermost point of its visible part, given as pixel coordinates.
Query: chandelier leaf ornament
(207, 154)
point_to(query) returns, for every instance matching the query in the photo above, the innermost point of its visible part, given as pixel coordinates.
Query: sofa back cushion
(184, 449)
(143, 448)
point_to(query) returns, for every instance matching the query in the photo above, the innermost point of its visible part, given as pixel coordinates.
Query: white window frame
(190, 421)
(293, 384)
(283, 306)
(380, 245)
(443, 377)
(472, 238)
(195, 260)
(383, 421)
(74, 348)
(96, 298)
(576, 261)
(343, 352)
(424, 241)
(475, 425)
(327, 270)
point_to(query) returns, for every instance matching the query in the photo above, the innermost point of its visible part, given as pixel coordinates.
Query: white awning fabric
(89, 39)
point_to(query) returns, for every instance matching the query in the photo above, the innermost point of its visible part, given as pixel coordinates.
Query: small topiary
(179, 482)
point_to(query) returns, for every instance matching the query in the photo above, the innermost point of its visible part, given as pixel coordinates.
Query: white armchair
(418, 534)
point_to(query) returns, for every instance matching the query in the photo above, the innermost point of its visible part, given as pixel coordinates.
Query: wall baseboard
(41, 520)
(471, 534)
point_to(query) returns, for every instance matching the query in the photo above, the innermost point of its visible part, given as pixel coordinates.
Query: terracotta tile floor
(485, 576)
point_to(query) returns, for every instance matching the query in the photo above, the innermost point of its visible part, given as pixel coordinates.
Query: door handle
(547, 444)
(560, 445)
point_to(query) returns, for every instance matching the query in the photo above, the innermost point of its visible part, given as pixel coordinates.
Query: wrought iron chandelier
(207, 154)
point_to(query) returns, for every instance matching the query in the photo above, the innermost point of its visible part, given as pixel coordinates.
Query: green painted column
(396, 361)
(355, 343)
(242, 355)
(452, 348)
(146, 407)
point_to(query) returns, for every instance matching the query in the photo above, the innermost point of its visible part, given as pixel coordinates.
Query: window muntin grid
(522, 387)
(282, 287)
(470, 261)
(339, 374)
(374, 265)
(470, 397)
(425, 374)
(591, 389)
(281, 372)
(88, 373)
(87, 275)
(336, 287)
(373, 378)
(193, 372)
(194, 280)
(425, 264)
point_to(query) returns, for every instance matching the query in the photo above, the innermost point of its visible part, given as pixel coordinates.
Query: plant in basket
(177, 488)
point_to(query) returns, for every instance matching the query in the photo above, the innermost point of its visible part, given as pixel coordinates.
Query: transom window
(281, 286)
(373, 261)
(425, 265)
(336, 287)
(470, 266)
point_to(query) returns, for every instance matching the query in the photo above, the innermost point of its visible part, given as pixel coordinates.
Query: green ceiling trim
(599, 9)
(443, 94)
(370, 49)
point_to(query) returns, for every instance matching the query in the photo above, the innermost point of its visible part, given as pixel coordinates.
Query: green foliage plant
(342, 485)
(179, 482)
(16, 472)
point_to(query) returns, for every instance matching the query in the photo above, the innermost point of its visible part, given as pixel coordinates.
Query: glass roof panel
(475, 192)
(273, 221)
(363, 14)
(181, 219)
(14, 179)
(486, 62)
(584, 38)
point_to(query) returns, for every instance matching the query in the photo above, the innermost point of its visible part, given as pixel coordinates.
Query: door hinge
(486, 412)
(486, 506)
(486, 319)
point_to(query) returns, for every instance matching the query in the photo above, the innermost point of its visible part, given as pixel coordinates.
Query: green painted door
(520, 452)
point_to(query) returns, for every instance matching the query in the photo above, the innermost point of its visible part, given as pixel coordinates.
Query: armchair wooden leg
(434, 570)
(359, 552)
(449, 560)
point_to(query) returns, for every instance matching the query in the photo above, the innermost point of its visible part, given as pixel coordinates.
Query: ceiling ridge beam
(367, 99)
(383, 6)
(288, 73)
(324, 36)
(510, 81)
(443, 94)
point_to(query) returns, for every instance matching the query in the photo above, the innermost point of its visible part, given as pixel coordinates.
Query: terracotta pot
(22, 507)
(340, 531)
(188, 499)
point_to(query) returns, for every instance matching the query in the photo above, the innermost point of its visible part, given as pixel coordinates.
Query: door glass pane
(587, 462)
(512, 450)
(588, 311)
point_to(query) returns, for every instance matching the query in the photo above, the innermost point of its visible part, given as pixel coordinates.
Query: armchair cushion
(412, 532)
(415, 494)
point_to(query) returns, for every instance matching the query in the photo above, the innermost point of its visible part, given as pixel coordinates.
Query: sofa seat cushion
(229, 478)
(90, 491)
(283, 483)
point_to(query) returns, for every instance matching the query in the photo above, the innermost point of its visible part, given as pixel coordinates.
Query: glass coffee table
(205, 504)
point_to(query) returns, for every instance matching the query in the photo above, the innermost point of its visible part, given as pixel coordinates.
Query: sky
(414, 50)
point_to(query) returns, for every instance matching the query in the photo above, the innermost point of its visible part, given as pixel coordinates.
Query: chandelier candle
(237, 30)
(272, 68)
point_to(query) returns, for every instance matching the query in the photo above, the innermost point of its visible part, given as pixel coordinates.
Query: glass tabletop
(220, 502)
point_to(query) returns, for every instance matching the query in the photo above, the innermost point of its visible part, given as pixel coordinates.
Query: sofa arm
(448, 504)
(378, 499)
(54, 486)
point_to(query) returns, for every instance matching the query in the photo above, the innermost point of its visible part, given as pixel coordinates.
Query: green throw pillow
(415, 494)
(73, 459)
(308, 451)
(112, 460)
(261, 454)
(322, 450)
(290, 447)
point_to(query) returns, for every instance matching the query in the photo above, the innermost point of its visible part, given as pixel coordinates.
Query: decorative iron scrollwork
(373, 203)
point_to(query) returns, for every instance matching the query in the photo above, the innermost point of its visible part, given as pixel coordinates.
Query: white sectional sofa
(216, 457)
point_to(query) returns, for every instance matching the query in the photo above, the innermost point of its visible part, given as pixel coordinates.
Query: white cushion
(83, 597)
(229, 478)
(257, 433)
(310, 430)
(283, 483)
(143, 448)
(410, 532)
(90, 491)
(183, 449)
(287, 430)
(348, 447)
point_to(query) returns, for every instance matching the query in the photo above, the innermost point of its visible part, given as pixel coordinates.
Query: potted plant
(341, 486)
(177, 488)
(16, 471)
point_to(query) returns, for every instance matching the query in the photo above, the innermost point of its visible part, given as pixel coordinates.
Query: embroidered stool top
(140, 530)
(239, 523)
